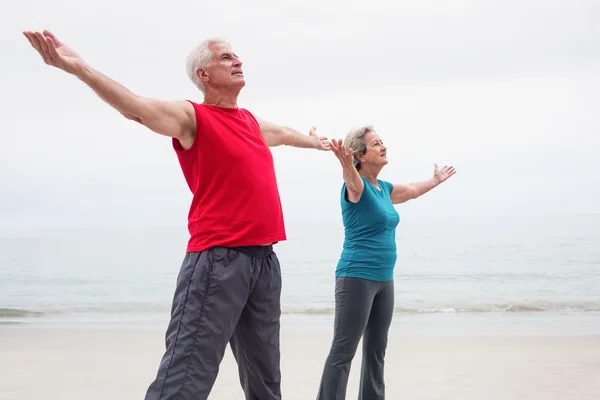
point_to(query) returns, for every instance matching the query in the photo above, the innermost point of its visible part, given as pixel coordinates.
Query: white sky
(505, 90)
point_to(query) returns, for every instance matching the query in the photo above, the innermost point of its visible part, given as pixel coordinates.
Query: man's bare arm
(170, 118)
(277, 135)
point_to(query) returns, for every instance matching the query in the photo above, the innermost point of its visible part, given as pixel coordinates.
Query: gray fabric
(223, 295)
(363, 308)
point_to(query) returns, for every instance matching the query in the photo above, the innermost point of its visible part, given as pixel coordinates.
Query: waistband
(255, 251)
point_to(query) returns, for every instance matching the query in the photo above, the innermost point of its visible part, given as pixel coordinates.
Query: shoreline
(490, 324)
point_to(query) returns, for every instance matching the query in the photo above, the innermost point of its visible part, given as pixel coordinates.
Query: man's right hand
(175, 119)
(55, 53)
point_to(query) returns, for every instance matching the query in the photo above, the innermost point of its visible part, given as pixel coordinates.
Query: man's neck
(225, 100)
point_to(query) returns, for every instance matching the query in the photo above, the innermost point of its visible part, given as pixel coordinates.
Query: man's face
(224, 71)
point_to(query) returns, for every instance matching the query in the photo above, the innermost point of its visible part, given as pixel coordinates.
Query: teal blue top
(370, 234)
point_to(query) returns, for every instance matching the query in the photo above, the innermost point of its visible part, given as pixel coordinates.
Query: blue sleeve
(343, 201)
(343, 193)
(389, 187)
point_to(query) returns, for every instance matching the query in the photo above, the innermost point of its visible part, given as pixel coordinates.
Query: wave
(482, 309)
(18, 313)
(132, 309)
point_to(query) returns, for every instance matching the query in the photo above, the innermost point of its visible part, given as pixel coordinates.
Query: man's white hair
(199, 57)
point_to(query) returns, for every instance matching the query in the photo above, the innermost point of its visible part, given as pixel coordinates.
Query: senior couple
(229, 284)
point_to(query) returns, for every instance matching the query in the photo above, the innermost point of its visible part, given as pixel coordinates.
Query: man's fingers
(55, 40)
(46, 45)
(52, 50)
(43, 46)
(26, 34)
(33, 39)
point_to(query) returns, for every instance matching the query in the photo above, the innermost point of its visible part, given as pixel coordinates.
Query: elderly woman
(364, 286)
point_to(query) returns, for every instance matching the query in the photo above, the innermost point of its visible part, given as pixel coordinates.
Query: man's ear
(202, 74)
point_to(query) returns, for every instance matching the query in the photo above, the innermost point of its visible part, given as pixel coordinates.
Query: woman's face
(376, 153)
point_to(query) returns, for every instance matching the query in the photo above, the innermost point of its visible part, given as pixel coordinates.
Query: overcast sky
(504, 90)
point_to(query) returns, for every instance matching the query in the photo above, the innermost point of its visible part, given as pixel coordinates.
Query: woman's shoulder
(385, 185)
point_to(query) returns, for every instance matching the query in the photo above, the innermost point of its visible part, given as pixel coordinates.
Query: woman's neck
(369, 175)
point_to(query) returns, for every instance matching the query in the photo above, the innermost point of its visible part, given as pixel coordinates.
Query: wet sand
(92, 363)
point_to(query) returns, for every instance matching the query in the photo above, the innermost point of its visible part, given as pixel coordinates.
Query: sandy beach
(93, 363)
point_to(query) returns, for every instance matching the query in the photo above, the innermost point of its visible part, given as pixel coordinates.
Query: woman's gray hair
(199, 57)
(355, 142)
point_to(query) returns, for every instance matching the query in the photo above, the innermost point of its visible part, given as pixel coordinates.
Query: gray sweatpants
(223, 295)
(363, 308)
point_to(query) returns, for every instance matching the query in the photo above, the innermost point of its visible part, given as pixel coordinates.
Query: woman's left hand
(444, 173)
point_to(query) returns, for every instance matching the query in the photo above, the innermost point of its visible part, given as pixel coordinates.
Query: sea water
(453, 275)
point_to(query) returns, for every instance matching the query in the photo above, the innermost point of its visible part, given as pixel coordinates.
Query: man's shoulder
(251, 118)
(247, 112)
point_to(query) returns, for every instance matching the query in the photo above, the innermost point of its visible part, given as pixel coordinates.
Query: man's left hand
(319, 142)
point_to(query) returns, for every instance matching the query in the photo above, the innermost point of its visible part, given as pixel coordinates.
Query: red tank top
(231, 174)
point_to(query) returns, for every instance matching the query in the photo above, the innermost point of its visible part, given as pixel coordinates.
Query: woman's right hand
(354, 183)
(341, 152)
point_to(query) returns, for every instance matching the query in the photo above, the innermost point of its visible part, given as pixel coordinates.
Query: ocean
(488, 275)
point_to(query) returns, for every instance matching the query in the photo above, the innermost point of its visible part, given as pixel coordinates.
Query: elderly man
(228, 289)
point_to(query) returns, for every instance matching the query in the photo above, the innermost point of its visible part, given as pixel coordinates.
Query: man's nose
(237, 62)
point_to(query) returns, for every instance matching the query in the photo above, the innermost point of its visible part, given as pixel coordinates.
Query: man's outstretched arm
(277, 135)
(170, 118)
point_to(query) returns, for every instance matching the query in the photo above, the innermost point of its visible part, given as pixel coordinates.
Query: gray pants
(363, 308)
(223, 296)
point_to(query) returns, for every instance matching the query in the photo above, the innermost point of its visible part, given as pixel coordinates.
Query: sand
(92, 363)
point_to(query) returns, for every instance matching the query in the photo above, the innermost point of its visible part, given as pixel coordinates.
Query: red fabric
(231, 174)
